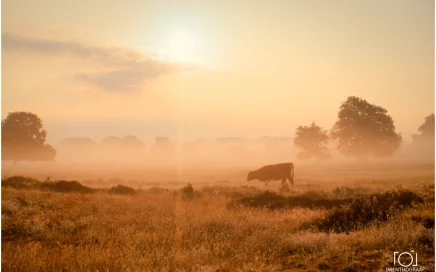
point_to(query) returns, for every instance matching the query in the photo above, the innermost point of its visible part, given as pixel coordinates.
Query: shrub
(64, 186)
(188, 192)
(266, 199)
(20, 182)
(366, 210)
(324, 266)
(271, 200)
(122, 190)
(427, 220)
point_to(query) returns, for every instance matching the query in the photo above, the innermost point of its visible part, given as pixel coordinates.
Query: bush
(266, 199)
(122, 190)
(271, 200)
(427, 220)
(366, 210)
(64, 186)
(188, 192)
(20, 182)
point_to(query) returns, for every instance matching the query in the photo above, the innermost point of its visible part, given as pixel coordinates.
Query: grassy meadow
(342, 224)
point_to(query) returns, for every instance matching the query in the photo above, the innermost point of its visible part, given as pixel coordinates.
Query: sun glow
(182, 46)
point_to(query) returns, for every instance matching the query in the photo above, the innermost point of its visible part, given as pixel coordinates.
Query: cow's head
(250, 176)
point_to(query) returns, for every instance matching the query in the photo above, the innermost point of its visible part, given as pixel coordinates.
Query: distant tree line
(362, 130)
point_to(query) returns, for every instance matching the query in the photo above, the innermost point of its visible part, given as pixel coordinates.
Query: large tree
(312, 140)
(364, 129)
(23, 138)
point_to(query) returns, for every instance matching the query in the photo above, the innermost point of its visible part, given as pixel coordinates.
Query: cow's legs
(283, 181)
(291, 178)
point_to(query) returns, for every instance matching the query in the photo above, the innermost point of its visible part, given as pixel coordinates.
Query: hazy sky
(201, 69)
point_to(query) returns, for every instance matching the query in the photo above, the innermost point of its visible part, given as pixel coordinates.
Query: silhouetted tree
(24, 139)
(426, 131)
(162, 145)
(424, 142)
(312, 140)
(364, 129)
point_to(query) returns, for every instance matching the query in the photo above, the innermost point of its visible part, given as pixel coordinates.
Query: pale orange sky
(256, 68)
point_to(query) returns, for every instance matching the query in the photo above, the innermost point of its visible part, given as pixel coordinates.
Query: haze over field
(252, 135)
(207, 70)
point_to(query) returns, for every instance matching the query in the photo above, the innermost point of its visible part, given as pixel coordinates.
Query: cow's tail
(292, 174)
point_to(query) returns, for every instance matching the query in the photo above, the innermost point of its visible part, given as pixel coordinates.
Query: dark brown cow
(281, 171)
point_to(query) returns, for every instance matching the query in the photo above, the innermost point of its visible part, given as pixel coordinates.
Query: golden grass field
(233, 226)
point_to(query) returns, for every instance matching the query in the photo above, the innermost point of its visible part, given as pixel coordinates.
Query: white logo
(397, 258)
(405, 261)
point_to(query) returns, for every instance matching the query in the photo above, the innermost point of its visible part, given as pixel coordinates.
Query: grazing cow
(281, 171)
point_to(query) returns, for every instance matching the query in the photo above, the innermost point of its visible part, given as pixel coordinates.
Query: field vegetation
(335, 226)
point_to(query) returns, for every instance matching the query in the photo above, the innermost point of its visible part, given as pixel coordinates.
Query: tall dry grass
(160, 230)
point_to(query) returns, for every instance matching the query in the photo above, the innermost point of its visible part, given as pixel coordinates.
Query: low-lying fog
(163, 162)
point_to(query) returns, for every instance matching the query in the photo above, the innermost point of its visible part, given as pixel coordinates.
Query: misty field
(352, 224)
